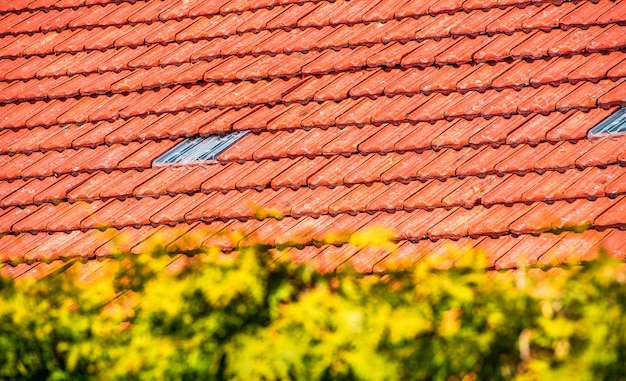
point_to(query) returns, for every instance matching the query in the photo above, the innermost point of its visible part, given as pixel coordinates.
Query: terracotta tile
(499, 48)
(407, 254)
(545, 99)
(247, 205)
(417, 225)
(15, 252)
(421, 136)
(523, 159)
(227, 69)
(506, 105)
(412, 81)
(74, 214)
(407, 169)
(575, 41)
(602, 153)
(316, 204)
(297, 175)
(313, 141)
(26, 141)
(23, 193)
(193, 237)
(333, 173)
(431, 195)
(7, 188)
(563, 155)
(44, 166)
(612, 16)
(511, 21)
(593, 182)
(325, 115)
(496, 220)
(586, 96)
(16, 115)
(534, 129)
(226, 121)
(123, 184)
(345, 141)
(273, 92)
(400, 109)
(596, 67)
(495, 248)
(284, 201)
(140, 214)
(175, 211)
(259, 119)
(13, 215)
(576, 126)
(551, 186)
(573, 248)
(551, 16)
(557, 70)
(310, 39)
(616, 186)
(383, 139)
(457, 224)
(14, 167)
(371, 170)
(562, 216)
(614, 97)
(321, 14)
(132, 105)
(92, 185)
(463, 50)
(613, 243)
(340, 230)
(262, 175)
(29, 69)
(357, 199)
(298, 233)
(585, 14)
(226, 179)
(426, 53)
(527, 251)
(361, 113)
(472, 191)
(392, 199)
(38, 220)
(445, 164)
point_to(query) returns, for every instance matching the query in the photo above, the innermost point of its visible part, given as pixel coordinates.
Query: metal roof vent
(198, 150)
(614, 124)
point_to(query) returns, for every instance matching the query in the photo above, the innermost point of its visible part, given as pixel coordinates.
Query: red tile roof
(448, 121)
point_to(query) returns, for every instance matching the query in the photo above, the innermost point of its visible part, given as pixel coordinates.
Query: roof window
(614, 124)
(198, 150)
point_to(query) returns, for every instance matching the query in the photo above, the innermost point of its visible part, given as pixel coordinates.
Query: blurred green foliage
(255, 315)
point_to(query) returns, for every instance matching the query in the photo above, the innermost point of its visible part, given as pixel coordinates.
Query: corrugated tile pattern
(452, 122)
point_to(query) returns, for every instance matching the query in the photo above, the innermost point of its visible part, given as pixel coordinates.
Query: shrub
(249, 316)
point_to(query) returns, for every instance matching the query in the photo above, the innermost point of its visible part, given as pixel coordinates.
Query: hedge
(253, 316)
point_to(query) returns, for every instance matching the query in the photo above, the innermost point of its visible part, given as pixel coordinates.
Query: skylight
(614, 124)
(198, 150)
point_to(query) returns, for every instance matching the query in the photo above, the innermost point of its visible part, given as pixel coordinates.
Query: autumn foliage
(254, 315)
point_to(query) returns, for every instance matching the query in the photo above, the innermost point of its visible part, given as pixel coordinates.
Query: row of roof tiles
(306, 14)
(312, 142)
(504, 253)
(474, 194)
(508, 251)
(362, 83)
(298, 40)
(70, 176)
(330, 170)
(396, 109)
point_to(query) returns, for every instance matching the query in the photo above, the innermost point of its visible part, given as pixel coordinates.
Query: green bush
(250, 316)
